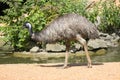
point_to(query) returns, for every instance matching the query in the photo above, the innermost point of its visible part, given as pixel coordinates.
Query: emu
(69, 27)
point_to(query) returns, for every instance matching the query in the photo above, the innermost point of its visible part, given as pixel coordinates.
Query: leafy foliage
(92, 13)
(38, 12)
(110, 17)
(41, 12)
(109, 14)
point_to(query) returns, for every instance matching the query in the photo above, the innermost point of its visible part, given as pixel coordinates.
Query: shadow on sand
(69, 65)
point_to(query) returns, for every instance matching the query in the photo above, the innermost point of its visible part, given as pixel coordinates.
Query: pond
(112, 55)
(7, 57)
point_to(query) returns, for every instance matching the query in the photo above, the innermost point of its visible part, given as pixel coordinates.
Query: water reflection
(113, 55)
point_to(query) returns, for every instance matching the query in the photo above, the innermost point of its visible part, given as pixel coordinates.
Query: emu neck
(30, 30)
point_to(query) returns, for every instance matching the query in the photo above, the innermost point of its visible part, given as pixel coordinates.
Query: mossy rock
(101, 52)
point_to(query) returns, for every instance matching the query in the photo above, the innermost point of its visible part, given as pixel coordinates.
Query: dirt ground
(107, 71)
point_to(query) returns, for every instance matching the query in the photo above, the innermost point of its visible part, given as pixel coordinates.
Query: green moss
(101, 52)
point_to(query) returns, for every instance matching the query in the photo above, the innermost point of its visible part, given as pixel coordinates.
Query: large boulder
(96, 44)
(58, 47)
(34, 49)
(55, 47)
(75, 47)
(104, 41)
(112, 40)
(107, 37)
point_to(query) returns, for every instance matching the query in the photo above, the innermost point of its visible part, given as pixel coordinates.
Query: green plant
(93, 12)
(41, 12)
(15, 34)
(38, 12)
(68, 6)
(110, 17)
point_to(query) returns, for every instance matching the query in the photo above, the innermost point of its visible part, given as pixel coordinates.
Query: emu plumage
(67, 27)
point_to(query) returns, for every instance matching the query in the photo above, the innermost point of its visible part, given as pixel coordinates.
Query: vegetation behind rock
(41, 12)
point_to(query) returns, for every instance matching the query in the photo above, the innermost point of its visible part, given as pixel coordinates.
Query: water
(113, 55)
(6, 57)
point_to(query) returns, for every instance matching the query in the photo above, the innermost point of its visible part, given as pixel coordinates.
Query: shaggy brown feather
(67, 27)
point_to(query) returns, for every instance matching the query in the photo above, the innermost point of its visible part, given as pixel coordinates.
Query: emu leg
(84, 43)
(87, 55)
(66, 54)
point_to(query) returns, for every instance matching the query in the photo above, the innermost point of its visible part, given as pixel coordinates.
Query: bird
(68, 27)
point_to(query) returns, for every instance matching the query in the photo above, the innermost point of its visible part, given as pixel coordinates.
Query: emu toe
(63, 67)
(89, 66)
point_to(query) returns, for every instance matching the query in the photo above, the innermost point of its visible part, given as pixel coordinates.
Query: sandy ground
(107, 71)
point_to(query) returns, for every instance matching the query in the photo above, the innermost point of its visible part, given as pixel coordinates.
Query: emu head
(29, 26)
(34, 35)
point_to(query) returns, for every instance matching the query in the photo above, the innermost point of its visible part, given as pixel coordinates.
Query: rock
(108, 37)
(111, 40)
(96, 44)
(34, 49)
(55, 47)
(103, 34)
(115, 37)
(110, 44)
(104, 41)
(101, 52)
(75, 47)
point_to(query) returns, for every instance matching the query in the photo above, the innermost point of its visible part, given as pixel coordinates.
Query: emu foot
(63, 67)
(89, 65)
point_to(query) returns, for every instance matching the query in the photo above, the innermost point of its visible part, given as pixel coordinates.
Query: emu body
(67, 27)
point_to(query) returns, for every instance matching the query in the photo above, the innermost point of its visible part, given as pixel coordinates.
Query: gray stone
(108, 37)
(75, 47)
(111, 40)
(97, 43)
(101, 52)
(103, 34)
(105, 41)
(34, 49)
(55, 47)
(115, 37)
